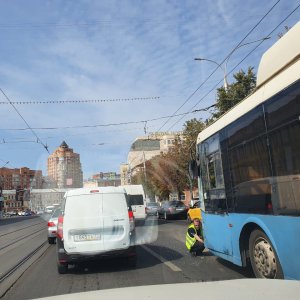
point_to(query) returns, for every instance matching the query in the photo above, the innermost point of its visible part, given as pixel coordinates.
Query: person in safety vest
(194, 238)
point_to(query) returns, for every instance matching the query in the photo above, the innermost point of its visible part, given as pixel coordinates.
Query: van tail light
(51, 224)
(269, 207)
(131, 220)
(60, 227)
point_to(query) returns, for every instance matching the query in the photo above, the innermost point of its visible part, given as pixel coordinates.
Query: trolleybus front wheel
(263, 257)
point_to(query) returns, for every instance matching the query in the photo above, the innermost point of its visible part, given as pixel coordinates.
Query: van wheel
(131, 261)
(263, 257)
(62, 268)
(51, 240)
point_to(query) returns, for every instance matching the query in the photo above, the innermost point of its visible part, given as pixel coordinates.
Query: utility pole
(144, 167)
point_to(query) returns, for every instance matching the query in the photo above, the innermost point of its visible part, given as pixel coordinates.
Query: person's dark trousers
(197, 248)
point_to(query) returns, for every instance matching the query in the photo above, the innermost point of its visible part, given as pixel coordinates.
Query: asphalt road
(161, 258)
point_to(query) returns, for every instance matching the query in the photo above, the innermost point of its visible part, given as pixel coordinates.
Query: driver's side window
(196, 205)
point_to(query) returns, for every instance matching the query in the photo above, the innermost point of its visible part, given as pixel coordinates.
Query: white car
(96, 223)
(52, 226)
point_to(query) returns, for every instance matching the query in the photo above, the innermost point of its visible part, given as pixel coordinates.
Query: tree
(155, 182)
(191, 129)
(237, 91)
(168, 172)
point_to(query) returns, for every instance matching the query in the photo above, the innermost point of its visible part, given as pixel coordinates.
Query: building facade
(9, 202)
(64, 167)
(144, 148)
(103, 179)
(40, 198)
(23, 178)
(125, 179)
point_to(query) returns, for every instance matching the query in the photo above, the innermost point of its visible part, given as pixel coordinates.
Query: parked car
(173, 209)
(52, 226)
(152, 209)
(11, 213)
(27, 212)
(194, 212)
(96, 223)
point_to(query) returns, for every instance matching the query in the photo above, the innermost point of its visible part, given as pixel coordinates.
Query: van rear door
(116, 229)
(83, 224)
(138, 206)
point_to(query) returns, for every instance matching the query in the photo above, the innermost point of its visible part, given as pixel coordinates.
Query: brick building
(64, 167)
(23, 178)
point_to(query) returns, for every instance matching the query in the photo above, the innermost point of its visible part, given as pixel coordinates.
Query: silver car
(52, 226)
(152, 209)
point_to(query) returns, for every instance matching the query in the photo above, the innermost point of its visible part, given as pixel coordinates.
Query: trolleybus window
(212, 174)
(282, 115)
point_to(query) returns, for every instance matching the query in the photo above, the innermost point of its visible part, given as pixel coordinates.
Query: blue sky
(77, 50)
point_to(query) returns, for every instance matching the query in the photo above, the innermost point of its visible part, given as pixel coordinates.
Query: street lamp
(224, 66)
(220, 66)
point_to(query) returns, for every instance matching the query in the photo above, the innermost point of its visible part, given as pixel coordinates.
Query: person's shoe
(193, 253)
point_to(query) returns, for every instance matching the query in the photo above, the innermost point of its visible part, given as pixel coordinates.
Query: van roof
(134, 189)
(99, 190)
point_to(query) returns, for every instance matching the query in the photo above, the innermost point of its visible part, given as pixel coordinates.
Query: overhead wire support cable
(217, 84)
(81, 101)
(106, 125)
(33, 132)
(209, 76)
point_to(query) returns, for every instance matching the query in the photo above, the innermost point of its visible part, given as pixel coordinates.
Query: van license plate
(87, 237)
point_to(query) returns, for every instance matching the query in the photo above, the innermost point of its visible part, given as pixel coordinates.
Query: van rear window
(136, 199)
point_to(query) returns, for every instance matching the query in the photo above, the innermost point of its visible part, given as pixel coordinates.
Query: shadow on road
(170, 221)
(144, 260)
(247, 272)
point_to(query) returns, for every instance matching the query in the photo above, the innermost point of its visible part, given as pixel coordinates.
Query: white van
(137, 201)
(95, 223)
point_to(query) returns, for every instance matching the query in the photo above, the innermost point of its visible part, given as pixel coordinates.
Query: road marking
(163, 260)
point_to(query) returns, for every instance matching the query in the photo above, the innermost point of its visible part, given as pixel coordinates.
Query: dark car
(173, 209)
(28, 213)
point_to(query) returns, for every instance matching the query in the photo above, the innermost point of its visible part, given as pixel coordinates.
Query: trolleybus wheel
(263, 257)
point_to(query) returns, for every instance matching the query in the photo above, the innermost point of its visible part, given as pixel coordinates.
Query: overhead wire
(105, 125)
(78, 24)
(198, 88)
(217, 84)
(33, 132)
(81, 101)
(85, 134)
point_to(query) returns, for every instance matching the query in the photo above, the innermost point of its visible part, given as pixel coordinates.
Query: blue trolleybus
(249, 170)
